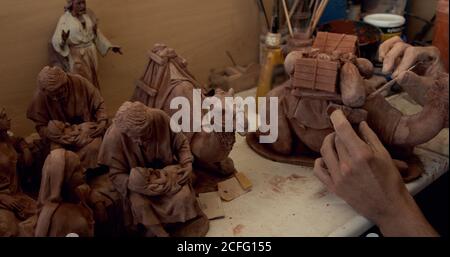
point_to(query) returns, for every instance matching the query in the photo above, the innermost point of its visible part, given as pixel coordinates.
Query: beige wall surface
(200, 30)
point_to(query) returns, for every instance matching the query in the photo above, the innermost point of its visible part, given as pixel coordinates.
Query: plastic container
(390, 24)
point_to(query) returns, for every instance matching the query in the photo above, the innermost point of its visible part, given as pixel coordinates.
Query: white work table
(288, 200)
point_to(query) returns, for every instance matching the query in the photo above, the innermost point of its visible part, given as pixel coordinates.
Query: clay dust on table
(238, 229)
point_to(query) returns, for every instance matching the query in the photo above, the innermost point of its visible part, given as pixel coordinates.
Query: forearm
(407, 221)
(183, 149)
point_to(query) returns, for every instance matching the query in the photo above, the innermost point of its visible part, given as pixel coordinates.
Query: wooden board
(244, 181)
(230, 189)
(211, 205)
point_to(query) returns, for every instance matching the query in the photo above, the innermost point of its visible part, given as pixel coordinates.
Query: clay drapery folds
(69, 111)
(150, 165)
(77, 39)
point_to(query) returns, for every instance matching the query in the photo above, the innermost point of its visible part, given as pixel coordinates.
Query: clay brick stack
(316, 74)
(329, 42)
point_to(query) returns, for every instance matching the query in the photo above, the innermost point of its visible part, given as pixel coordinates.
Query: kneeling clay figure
(63, 198)
(15, 206)
(151, 167)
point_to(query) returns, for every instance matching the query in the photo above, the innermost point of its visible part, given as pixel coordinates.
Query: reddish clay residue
(278, 182)
(238, 229)
(295, 177)
(321, 194)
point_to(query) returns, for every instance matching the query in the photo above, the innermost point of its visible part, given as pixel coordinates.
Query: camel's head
(233, 116)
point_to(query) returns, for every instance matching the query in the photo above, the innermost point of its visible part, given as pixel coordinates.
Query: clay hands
(360, 171)
(56, 133)
(117, 50)
(11, 203)
(398, 56)
(64, 36)
(99, 129)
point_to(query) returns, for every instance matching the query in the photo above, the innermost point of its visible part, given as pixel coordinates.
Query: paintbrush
(390, 83)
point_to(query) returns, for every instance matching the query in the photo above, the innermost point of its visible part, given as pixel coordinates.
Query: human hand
(398, 57)
(362, 172)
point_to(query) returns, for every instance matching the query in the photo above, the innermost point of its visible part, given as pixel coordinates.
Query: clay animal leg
(283, 144)
(397, 129)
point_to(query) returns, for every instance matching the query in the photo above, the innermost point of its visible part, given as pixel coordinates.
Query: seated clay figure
(70, 203)
(15, 206)
(68, 111)
(303, 116)
(151, 167)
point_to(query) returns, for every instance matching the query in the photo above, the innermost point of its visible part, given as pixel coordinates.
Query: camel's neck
(225, 139)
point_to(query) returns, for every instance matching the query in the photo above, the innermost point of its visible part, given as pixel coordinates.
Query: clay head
(77, 7)
(51, 81)
(65, 166)
(5, 121)
(133, 119)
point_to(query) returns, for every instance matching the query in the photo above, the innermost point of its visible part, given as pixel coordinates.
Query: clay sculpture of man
(77, 39)
(15, 206)
(151, 166)
(68, 111)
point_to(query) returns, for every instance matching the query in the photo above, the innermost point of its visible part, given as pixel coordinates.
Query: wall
(200, 30)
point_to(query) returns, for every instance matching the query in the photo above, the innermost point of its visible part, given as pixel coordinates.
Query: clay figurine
(166, 77)
(304, 111)
(62, 198)
(15, 206)
(68, 111)
(76, 40)
(151, 167)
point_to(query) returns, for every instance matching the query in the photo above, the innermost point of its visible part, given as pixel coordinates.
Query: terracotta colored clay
(409, 131)
(15, 206)
(68, 111)
(63, 197)
(166, 77)
(328, 42)
(76, 41)
(365, 67)
(352, 86)
(151, 167)
(316, 74)
(303, 116)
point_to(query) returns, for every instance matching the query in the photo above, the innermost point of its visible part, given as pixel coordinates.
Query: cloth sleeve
(57, 40)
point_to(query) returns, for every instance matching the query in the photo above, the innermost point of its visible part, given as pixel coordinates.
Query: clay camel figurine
(302, 128)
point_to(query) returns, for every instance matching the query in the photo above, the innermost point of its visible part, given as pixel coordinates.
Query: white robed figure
(77, 39)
